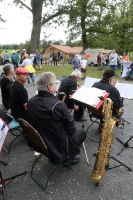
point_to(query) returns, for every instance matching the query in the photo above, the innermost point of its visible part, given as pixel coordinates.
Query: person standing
(15, 59)
(38, 59)
(6, 58)
(103, 61)
(33, 58)
(76, 62)
(113, 57)
(22, 55)
(28, 64)
(83, 64)
(67, 58)
(99, 61)
(18, 94)
(55, 59)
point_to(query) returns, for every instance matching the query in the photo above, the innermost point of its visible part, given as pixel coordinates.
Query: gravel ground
(73, 184)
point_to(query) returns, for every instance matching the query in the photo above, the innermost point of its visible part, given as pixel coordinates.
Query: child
(83, 64)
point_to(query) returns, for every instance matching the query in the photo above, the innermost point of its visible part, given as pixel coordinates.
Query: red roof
(67, 49)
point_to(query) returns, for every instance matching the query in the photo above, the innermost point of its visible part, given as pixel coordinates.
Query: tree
(51, 9)
(90, 17)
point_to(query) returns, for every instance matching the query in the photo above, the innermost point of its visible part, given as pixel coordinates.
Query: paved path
(73, 184)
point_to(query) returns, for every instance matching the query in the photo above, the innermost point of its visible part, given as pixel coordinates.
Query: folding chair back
(34, 136)
(95, 115)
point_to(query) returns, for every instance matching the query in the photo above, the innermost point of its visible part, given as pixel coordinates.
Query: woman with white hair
(28, 64)
(15, 59)
(69, 85)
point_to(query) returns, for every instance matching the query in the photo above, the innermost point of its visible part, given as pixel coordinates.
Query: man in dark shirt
(50, 117)
(114, 95)
(69, 86)
(18, 94)
(6, 82)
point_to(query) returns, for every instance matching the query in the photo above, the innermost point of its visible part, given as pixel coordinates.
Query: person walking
(15, 59)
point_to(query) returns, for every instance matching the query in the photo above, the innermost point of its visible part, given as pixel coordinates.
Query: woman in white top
(28, 64)
(83, 66)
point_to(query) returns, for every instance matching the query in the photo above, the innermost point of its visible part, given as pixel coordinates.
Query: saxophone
(102, 158)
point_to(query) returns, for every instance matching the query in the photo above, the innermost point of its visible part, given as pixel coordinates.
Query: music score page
(126, 90)
(90, 81)
(89, 96)
(3, 133)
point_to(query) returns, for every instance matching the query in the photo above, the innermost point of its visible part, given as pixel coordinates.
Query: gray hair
(76, 73)
(7, 68)
(45, 79)
(13, 51)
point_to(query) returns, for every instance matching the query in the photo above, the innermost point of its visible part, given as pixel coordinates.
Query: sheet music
(90, 81)
(89, 95)
(3, 133)
(126, 90)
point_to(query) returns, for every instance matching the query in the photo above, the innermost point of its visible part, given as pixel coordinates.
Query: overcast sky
(17, 28)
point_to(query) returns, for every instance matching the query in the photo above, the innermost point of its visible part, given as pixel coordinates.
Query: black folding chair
(40, 146)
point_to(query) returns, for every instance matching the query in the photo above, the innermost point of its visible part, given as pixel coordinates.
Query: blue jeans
(32, 78)
(15, 65)
(113, 67)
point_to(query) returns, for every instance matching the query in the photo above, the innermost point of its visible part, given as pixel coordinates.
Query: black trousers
(78, 113)
(80, 136)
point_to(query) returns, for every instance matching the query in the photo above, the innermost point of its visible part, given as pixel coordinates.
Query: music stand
(3, 183)
(122, 124)
(125, 145)
(3, 133)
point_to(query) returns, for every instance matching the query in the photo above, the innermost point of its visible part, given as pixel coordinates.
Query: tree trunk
(84, 39)
(36, 29)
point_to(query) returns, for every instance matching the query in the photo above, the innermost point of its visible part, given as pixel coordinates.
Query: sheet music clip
(101, 98)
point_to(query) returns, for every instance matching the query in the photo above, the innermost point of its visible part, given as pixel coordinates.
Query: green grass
(9, 51)
(66, 70)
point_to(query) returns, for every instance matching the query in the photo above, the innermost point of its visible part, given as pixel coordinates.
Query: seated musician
(19, 95)
(6, 82)
(129, 73)
(114, 95)
(50, 117)
(69, 85)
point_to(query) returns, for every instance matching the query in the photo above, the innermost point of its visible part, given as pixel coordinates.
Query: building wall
(50, 50)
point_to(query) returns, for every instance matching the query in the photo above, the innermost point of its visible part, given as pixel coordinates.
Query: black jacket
(50, 117)
(114, 93)
(68, 86)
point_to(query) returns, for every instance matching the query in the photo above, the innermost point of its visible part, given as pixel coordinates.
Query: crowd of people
(45, 111)
(17, 58)
(114, 60)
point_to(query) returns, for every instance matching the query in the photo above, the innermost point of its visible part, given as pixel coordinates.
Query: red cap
(21, 70)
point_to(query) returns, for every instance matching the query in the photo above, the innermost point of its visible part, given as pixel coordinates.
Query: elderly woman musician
(6, 82)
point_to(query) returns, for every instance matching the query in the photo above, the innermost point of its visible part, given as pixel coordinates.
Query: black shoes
(73, 160)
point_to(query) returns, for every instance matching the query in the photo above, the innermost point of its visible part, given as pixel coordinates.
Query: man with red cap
(19, 95)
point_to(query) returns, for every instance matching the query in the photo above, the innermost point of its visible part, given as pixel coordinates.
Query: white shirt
(113, 57)
(83, 63)
(27, 61)
(32, 56)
